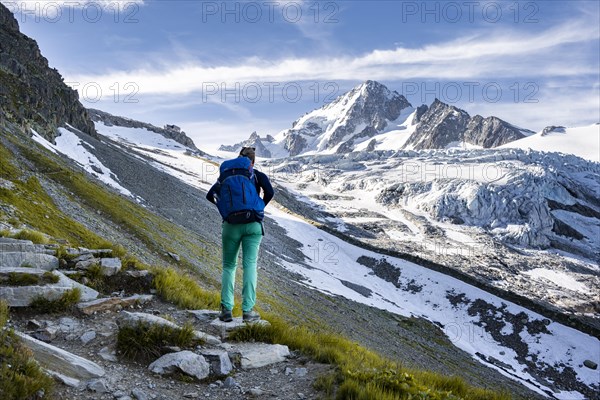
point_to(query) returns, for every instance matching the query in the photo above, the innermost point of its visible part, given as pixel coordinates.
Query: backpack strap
(235, 171)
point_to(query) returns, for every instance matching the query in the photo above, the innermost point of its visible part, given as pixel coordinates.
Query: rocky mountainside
(357, 115)
(371, 111)
(169, 131)
(260, 144)
(31, 93)
(443, 126)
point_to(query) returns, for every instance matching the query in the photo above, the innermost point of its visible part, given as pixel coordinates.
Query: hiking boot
(225, 315)
(250, 316)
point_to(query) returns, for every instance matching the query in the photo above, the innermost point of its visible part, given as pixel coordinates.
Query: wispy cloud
(498, 55)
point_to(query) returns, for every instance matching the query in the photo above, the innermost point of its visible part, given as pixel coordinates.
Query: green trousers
(249, 237)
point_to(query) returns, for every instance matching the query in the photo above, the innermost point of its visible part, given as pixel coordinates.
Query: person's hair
(249, 152)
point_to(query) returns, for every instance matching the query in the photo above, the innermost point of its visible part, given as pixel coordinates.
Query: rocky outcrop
(31, 93)
(169, 131)
(441, 125)
(22, 296)
(438, 127)
(253, 141)
(491, 132)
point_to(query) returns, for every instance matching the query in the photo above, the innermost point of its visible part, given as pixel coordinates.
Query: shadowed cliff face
(31, 93)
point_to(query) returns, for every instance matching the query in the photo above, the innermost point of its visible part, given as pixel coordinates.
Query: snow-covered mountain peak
(350, 119)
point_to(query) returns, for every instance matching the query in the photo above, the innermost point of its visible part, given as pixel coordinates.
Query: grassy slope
(361, 373)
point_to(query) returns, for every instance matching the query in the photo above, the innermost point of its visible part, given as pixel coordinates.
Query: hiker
(242, 210)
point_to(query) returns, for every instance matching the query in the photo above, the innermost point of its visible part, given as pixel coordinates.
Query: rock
(256, 355)
(46, 334)
(590, 364)
(110, 266)
(204, 315)
(174, 256)
(206, 338)
(82, 257)
(191, 395)
(88, 337)
(127, 318)
(61, 361)
(65, 380)
(288, 371)
(108, 354)
(97, 385)
(139, 394)
(256, 392)
(86, 264)
(187, 362)
(22, 296)
(229, 383)
(236, 323)
(219, 361)
(34, 324)
(112, 303)
(301, 372)
(138, 273)
(68, 325)
(16, 259)
(20, 246)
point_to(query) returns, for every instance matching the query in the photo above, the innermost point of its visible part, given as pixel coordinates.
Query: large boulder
(61, 361)
(11, 259)
(256, 355)
(187, 362)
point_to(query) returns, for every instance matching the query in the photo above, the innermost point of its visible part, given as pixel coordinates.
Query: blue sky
(221, 70)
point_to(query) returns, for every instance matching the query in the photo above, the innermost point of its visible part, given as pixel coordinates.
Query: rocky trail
(79, 348)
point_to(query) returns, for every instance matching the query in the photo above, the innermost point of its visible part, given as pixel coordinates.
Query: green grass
(183, 290)
(28, 234)
(27, 279)
(64, 303)
(361, 374)
(145, 342)
(20, 376)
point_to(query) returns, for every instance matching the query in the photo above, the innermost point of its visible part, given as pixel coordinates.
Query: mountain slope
(169, 131)
(582, 141)
(31, 93)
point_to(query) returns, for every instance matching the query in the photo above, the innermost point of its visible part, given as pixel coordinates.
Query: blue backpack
(238, 200)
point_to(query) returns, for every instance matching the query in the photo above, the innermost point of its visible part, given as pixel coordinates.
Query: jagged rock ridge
(443, 125)
(253, 141)
(31, 93)
(169, 131)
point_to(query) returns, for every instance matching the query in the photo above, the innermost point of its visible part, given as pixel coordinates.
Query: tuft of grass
(20, 376)
(4, 233)
(145, 342)
(27, 279)
(118, 251)
(63, 303)
(21, 279)
(28, 234)
(96, 278)
(183, 290)
(49, 277)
